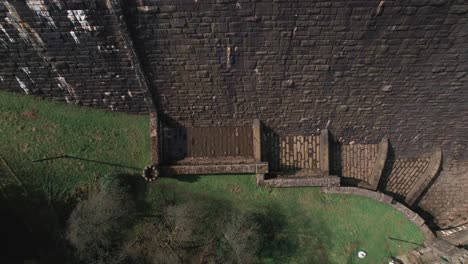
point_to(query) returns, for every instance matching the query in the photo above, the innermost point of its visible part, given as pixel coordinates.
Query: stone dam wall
(363, 69)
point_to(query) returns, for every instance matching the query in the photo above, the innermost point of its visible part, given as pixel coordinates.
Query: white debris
(64, 85)
(2, 79)
(22, 85)
(6, 34)
(107, 49)
(24, 29)
(130, 93)
(79, 17)
(26, 70)
(41, 11)
(3, 43)
(72, 33)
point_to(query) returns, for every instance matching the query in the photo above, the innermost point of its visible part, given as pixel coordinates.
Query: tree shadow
(280, 241)
(34, 226)
(282, 244)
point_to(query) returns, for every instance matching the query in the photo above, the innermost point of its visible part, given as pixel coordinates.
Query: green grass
(316, 228)
(320, 228)
(33, 129)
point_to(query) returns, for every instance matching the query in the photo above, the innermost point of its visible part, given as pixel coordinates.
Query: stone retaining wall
(301, 66)
(250, 168)
(327, 181)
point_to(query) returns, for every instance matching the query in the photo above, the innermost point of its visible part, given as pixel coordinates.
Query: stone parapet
(253, 168)
(326, 181)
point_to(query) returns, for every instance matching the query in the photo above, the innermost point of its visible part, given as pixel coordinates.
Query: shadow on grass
(405, 241)
(281, 241)
(284, 242)
(87, 160)
(185, 178)
(33, 226)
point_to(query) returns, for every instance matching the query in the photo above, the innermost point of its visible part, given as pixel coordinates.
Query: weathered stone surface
(328, 181)
(342, 108)
(446, 199)
(387, 88)
(178, 22)
(459, 9)
(419, 2)
(255, 168)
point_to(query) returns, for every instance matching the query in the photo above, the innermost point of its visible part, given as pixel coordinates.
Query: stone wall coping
(326, 181)
(324, 151)
(251, 168)
(379, 164)
(430, 173)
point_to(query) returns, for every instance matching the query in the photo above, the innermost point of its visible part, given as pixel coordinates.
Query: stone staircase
(297, 161)
(406, 179)
(370, 170)
(319, 161)
(359, 164)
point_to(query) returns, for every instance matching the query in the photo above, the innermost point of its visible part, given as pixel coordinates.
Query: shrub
(96, 226)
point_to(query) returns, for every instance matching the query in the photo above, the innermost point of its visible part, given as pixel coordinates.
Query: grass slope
(317, 228)
(31, 129)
